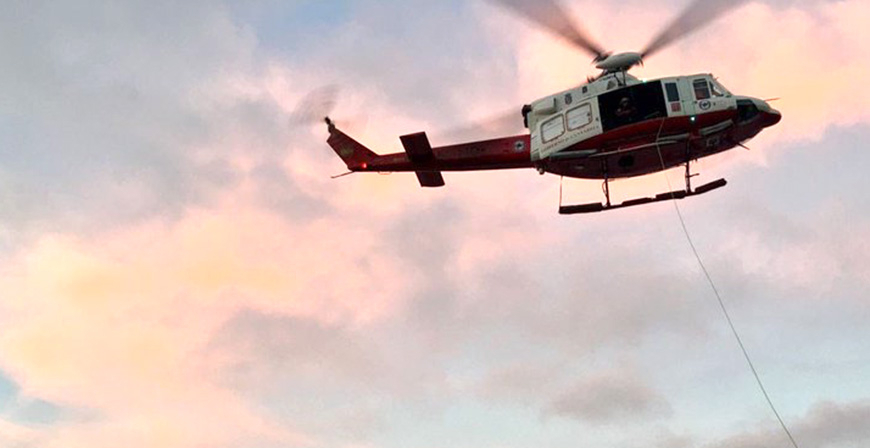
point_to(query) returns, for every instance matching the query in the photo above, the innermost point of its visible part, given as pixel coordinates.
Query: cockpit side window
(719, 89)
(702, 89)
(672, 91)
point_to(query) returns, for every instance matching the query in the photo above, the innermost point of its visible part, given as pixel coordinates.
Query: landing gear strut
(606, 185)
(689, 174)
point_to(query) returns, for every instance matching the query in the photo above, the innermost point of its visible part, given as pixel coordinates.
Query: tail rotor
(316, 105)
(319, 104)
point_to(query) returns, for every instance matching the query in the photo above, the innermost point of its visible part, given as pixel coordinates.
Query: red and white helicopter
(613, 126)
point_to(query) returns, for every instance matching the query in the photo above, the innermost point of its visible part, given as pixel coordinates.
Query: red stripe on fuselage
(632, 151)
(497, 154)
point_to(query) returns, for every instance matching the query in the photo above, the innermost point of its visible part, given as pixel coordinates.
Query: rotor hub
(620, 62)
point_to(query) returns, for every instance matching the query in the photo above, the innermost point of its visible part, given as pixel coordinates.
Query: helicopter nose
(771, 115)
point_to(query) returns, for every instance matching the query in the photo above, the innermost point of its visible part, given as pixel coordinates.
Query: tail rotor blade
(697, 15)
(316, 105)
(550, 15)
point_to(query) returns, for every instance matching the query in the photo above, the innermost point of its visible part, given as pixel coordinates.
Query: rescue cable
(719, 296)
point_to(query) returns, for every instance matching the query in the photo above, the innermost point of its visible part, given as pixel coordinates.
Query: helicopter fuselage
(614, 127)
(619, 126)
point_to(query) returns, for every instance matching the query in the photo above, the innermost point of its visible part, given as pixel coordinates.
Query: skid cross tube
(606, 185)
(689, 174)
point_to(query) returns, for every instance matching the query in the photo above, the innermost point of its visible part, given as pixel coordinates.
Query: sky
(177, 268)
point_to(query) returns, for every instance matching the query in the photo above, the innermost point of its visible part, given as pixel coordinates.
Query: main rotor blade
(498, 125)
(698, 14)
(549, 14)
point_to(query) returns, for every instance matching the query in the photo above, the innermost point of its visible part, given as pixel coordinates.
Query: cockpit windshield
(718, 89)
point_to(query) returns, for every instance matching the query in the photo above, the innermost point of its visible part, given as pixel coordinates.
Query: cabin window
(633, 104)
(716, 91)
(702, 89)
(673, 92)
(579, 117)
(553, 128)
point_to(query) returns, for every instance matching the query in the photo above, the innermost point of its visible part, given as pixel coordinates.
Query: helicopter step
(596, 207)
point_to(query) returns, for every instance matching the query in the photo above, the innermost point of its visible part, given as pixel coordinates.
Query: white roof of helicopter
(591, 89)
(597, 86)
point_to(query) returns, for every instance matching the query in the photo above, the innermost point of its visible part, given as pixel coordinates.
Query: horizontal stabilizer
(420, 154)
(418, 148)
(431, 179)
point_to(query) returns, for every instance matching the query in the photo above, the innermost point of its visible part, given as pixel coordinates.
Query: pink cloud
(807, 56)
(118, 324)
(832, 247)
(15, 435)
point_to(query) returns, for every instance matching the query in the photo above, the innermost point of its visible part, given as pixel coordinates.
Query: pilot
(625, 110)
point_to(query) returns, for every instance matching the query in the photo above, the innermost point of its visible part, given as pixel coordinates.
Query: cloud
(823, 249)
(802, 54)
(594, 395)
(826, 425)
(96, 325)
(611, 397)
(16, 435)
(354, 377)
(526, 384)
(110, 114)
(214, 314)
(262, 349)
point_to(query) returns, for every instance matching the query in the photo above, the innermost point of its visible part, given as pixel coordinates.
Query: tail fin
(356, 156)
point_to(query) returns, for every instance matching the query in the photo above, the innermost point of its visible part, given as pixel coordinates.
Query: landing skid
(596, 207)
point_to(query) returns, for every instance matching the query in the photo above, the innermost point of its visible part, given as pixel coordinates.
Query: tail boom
(419, 157)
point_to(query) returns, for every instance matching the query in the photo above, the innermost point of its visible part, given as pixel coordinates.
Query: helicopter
(612, 126)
